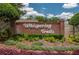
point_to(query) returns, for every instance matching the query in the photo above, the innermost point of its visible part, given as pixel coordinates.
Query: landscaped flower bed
(37, 44)
(10, 51)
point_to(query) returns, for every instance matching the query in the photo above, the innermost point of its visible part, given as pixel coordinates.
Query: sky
(61, 10)
(53, 8)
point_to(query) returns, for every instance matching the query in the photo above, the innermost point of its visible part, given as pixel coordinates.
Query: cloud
(25, 4)
(40, 14)
(35, 13)
(65, 15)
(50, 15)
(70, 5)
(30, 11)
(23, 17)
(26, 9)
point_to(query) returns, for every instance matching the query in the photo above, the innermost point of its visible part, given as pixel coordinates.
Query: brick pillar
(62, 27)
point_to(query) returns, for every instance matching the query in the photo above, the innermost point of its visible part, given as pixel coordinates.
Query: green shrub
(70, 39)
(62, 40)
(23, 46)
(17, 38)
(36, 47)
(36, 37)
(56, 36)
(33, 38)
(33, 47)
(4, 35)
(37, 43)
(62, 48)
(75, 47)
(50, 39)
(58, 48)
(41, 36)
(73, 39)
(24, 35)
(40, 47)
(55, 48)
(76, 38)
(10, 42)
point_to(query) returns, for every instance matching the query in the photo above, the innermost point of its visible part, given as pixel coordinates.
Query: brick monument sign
(36, 27)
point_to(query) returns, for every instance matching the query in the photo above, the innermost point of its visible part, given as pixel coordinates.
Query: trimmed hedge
(36, 37)
(41, 36)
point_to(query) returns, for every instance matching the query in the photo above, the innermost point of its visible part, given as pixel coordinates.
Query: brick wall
(58, 28)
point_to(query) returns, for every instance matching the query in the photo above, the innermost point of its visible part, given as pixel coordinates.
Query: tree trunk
(73, 30)
(12, 27)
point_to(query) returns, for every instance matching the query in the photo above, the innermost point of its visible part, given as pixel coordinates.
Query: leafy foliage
(38, 43)
(12, 12)
(36, 47)
(40, 18)
(50, 39)
(9, 11)
(23, 46)
(36, 37)
(72, 39)
(53, 19)
(44, 19)
(74, 20)
(50, 48)
(11, 42)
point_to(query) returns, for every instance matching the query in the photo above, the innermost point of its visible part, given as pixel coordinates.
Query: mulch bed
(13, 51)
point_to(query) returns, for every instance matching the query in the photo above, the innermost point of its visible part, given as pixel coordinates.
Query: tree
(40, 18)
(11, 12)
(74, 21)
(53, 19)
(45, 19)
(30, 17)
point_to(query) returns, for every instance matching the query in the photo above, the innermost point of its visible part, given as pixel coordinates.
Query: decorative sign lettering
(47, 31)
(38, 26)
(44, 28)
